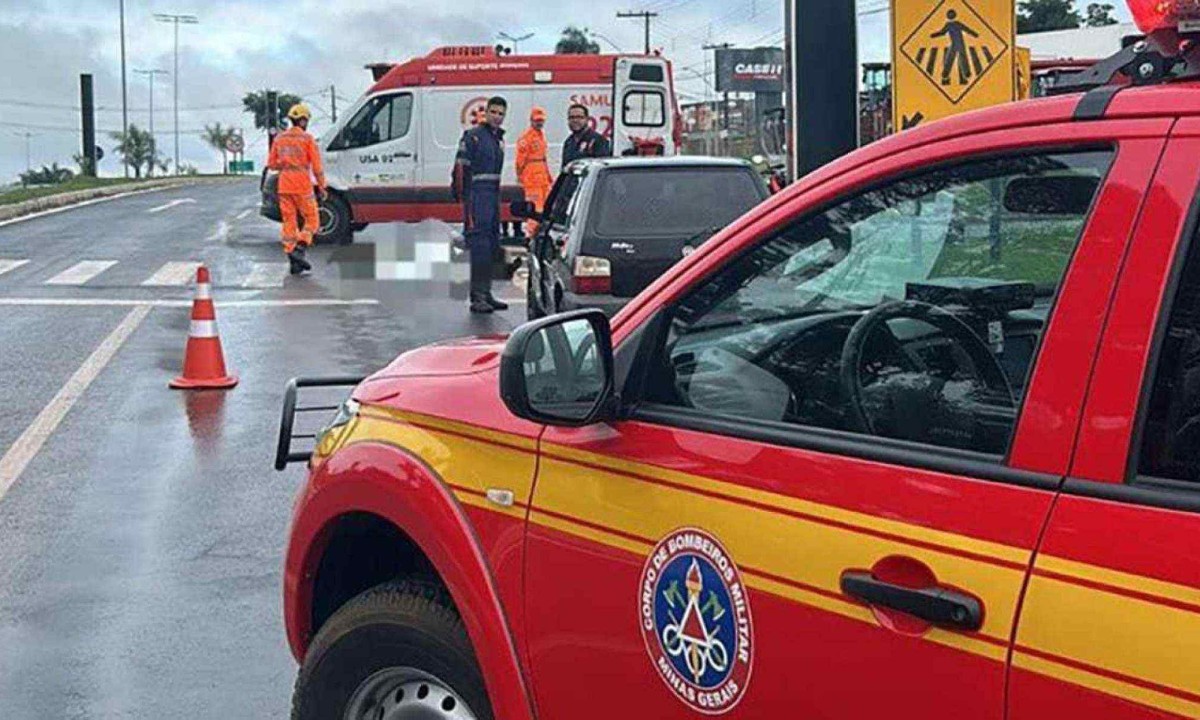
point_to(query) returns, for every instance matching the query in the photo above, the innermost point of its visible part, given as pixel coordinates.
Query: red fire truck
(918, 436)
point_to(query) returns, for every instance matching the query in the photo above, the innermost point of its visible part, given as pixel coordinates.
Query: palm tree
(218, 137)
(137, 148)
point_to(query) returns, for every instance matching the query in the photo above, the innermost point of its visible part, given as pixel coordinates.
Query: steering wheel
(986, 366)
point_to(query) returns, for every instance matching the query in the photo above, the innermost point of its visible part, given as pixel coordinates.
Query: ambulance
(390, 157)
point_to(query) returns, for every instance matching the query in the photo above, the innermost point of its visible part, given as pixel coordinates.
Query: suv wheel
(397, 651)
(336, 221)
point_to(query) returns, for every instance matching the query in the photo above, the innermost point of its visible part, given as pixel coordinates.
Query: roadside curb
(32, 208)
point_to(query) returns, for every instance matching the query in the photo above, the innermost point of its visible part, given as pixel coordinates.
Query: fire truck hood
(463, 356)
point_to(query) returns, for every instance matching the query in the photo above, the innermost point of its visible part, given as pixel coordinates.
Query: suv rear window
(641, 202)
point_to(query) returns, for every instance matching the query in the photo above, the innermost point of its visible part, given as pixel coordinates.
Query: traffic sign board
(240, 166)
(950, 56)
(235, 144)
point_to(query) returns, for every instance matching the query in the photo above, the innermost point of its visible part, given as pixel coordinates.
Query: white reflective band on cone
(204, 291)
(203, 329)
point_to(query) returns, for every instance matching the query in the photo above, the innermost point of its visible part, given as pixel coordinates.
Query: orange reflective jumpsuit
(533, 171)
(295, 155)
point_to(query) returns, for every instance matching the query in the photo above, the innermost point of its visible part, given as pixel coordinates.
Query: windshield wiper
(704, 234)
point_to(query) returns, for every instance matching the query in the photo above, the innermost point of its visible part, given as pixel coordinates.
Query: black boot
(294, 267)
(301, 257)
(480, 283)
(480, 304)
(494, 303)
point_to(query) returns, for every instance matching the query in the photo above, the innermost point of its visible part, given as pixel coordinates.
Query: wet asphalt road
(141, 546)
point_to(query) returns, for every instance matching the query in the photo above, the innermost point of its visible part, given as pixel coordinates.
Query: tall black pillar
(822, 82)
(88, 108)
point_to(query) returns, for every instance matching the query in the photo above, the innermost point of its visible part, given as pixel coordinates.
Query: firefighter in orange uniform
(295, 155)
(533, 168)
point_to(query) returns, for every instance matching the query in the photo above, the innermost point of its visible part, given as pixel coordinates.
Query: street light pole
(153, 140)
(176, 20)
(27, 135)
(514, 40)
(124, 90)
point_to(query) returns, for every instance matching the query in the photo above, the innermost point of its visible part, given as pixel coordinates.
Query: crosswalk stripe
(264, 275)
(81, 272)
(173, 273)
(6, 265)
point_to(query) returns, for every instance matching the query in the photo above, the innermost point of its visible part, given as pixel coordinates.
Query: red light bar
(1151, 15)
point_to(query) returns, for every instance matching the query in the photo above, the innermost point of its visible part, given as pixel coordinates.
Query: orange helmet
(537, 114)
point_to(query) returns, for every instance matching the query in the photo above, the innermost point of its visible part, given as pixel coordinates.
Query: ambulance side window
(382, 119)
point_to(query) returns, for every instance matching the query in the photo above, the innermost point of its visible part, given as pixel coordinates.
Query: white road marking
(6, 265)
(221, 234)
(80, 273)
(266, 275)
(26, 448)
(173, 273)
(114, 302)
(85, 203)
(245, 213)
(173, 203)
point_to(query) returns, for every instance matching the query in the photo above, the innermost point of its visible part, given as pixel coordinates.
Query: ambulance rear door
(642, 104)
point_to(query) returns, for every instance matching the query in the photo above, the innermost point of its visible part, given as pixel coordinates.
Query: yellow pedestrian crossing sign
(950, 56)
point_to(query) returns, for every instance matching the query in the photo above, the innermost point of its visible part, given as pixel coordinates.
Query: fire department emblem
(695, 620)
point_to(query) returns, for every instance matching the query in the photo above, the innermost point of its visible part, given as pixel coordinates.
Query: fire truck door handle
(936, 605)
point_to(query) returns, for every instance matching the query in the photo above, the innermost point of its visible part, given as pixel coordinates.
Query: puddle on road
(206, 417)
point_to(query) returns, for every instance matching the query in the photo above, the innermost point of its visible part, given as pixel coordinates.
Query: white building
(1077, 44)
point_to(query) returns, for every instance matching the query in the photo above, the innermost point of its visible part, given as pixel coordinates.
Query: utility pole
(88, 112)
(153, 140)
(514, 40)
(333, 103)
(645, 16)
(124, 90)
(176, 20)
(724, 94)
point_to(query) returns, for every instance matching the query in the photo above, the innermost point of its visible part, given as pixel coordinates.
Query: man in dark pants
(476, 183)
(584, 142)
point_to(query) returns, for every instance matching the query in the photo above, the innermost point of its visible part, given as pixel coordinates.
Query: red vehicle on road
(918, 436)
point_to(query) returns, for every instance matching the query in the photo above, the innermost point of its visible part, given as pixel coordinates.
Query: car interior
(912, 311)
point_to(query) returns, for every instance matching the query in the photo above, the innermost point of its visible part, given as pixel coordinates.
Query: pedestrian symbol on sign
(953, 48)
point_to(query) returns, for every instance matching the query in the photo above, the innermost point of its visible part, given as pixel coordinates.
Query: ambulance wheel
(336, 221)
(399, 650)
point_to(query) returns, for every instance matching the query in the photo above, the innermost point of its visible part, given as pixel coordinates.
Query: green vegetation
(21, 194)
(1035, 252)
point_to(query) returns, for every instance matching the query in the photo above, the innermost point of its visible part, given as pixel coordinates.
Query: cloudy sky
(305, 46)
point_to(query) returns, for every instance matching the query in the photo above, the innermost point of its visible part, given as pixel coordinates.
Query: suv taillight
(592, 276)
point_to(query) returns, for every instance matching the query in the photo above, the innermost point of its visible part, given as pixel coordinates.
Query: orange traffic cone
(203, 361)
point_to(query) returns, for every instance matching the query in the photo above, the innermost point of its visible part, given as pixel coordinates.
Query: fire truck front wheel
(399, 650)
(336, 221)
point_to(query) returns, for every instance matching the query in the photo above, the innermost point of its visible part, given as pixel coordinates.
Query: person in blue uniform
(476, 183)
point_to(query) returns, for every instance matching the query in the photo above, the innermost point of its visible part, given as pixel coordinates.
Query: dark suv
(614, 225)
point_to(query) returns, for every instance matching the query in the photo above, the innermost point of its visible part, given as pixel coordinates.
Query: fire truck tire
(336, 222)
(398, 643)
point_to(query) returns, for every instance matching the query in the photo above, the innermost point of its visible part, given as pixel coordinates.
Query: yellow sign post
(1024, 73)
(950, 56)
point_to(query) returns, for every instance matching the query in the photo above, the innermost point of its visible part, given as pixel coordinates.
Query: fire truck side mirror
(558, 370)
